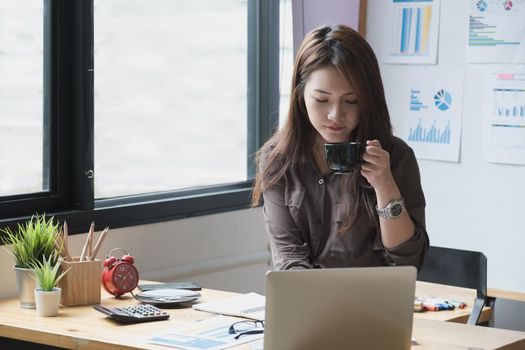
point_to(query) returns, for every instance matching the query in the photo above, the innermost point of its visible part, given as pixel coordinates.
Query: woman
(315, 218)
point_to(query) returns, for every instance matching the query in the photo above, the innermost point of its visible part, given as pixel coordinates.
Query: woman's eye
(318, 100)
(352, 102)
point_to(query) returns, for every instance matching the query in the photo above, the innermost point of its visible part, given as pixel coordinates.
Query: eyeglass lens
(246, 327)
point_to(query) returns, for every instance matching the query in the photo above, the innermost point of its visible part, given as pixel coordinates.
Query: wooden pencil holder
(81, 284)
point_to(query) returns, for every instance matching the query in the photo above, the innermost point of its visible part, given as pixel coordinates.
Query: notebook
(250, 305)
(340, 309)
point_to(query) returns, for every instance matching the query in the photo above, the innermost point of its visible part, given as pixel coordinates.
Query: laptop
(344, 308)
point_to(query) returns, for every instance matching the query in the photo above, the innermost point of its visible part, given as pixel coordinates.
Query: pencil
(99, 243)
(90, 241)
(66, 243)
(84, 249)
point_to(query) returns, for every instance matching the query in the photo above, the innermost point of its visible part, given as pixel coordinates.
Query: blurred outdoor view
(170, 94)
(21, 91)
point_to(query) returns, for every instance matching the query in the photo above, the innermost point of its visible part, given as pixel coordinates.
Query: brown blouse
(303, 214)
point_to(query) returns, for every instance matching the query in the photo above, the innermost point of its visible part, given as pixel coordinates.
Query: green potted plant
(47, 294)
(29, 244)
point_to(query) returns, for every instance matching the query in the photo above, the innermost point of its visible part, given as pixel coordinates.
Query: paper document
(250, 305)
(496, 32)
(208, 334)
(413, 31)
(426, 108)
(504, 121)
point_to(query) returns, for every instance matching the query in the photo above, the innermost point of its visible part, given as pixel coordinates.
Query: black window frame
(68, 109)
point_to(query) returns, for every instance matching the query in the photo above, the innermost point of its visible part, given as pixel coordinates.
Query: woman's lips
(334, 128)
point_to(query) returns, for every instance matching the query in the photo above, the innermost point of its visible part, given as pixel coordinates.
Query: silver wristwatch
(394, 209)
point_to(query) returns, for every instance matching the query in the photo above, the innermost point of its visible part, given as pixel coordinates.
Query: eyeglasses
(246, 327)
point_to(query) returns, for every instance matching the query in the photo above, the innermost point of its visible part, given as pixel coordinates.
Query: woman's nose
(335, 112)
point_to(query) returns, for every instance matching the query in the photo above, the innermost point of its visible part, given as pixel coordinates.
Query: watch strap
(394, 209)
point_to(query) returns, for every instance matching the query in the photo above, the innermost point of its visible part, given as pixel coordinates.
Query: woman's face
(331, 104)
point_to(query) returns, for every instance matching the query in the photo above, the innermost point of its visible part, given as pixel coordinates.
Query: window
(139, 123)
(21, 96)
(170, 95)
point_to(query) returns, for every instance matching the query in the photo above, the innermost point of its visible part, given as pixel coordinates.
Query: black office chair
(459, 268)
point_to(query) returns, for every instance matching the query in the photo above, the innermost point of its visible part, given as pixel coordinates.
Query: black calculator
(134, 313)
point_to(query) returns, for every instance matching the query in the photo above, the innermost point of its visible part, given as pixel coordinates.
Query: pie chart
(443, 100)
(481, 5)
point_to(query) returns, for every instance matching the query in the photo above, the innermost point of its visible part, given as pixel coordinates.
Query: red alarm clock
(120, 276)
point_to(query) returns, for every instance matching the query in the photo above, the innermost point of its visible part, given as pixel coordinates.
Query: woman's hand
(376, 169)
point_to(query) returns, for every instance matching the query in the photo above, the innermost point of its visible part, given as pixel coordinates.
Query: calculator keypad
(134, 313)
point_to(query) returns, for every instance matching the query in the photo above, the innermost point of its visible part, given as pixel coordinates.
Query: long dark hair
(346, 50)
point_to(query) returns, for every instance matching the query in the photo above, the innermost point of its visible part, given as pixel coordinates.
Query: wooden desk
(454, 293)
(84, 328)
(506, 294)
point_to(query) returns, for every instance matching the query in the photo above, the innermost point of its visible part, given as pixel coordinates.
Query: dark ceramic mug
(344, 157)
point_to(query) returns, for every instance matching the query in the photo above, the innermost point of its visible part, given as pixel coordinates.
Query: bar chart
(509, 102)
(483, 34)
(430, 135)
(412, 21)
(515, 111)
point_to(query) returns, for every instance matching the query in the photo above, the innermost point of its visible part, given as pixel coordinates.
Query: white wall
(472, 204)
(225, 251)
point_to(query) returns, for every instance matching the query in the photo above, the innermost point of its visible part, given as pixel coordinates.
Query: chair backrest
(456, 267)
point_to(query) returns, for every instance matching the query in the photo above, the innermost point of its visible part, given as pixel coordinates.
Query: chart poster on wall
(414, 28)
(496, 31)
(504, 122)
(428, 116)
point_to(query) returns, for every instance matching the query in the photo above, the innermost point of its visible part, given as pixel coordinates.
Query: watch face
(125, 277)
(396, 210)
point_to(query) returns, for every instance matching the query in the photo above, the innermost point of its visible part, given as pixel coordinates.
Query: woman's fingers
(376, 165)
(374, 154)
(374, 143)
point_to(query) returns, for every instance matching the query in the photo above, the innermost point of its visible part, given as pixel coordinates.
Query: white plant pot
(25, 285)
(47, 303)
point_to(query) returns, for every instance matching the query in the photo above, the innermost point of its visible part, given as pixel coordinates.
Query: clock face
(125, 277)
(396, 210)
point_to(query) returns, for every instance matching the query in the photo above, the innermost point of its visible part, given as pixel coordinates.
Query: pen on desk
(458, 304)
(447, 305)
(430, 307)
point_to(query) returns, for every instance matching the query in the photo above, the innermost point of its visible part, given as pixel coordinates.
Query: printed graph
(495, 33)
(504, 122)
(482, 34)
(431, 135)
(415, 102)
(509, 102)
(442, 100)
(507, 5)
(481, 5)
(514, 111)
(412, 21)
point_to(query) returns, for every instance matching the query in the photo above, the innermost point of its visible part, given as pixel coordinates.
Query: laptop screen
(345, 308)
